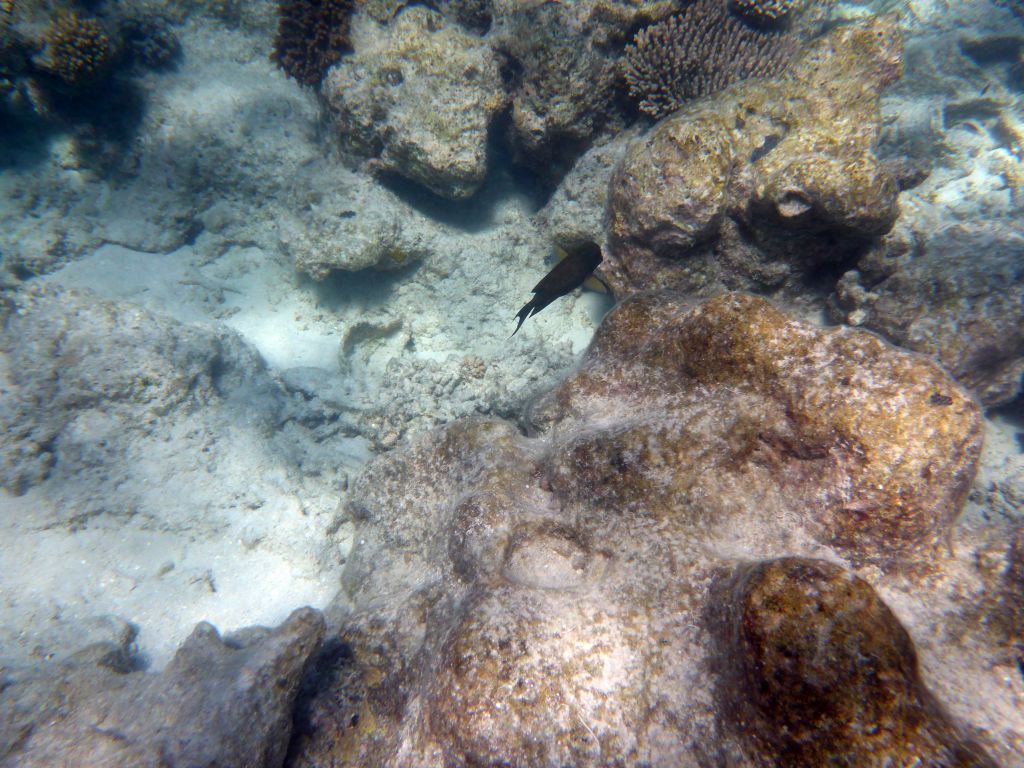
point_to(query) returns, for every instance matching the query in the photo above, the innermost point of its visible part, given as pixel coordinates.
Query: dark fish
(568, 274)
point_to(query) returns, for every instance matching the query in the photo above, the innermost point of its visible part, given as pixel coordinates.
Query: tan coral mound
(582, 595)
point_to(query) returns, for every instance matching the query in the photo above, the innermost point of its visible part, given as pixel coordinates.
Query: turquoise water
(247, 247)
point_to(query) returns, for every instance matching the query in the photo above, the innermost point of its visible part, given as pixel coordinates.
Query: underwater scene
(512, 383)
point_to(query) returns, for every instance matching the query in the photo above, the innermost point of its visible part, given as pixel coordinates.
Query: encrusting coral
(826, 669)
(312, 35)
(698, 52)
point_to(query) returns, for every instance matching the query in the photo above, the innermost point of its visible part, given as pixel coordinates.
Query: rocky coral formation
(827, 673)
(556, 599)
(92, 710)
(956, 294)
(149, 40)
(312, 36)
(419, 96)
(563, 67)
(701, 51)
(765, 184)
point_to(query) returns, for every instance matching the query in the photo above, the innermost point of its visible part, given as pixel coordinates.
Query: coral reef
(78, 50)
(419, 98)
(554, 598)
(698, 52)
(93, 711)
(766, 183)
(312, 35)
(956, 294)
(562, 64)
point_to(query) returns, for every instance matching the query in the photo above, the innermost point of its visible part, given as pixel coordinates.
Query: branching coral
(311, 36)
(698, 52)
(78, 51)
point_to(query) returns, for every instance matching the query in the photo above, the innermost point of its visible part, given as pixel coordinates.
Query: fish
(574, 269)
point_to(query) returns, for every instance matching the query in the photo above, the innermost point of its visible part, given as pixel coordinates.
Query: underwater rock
(956, 294)
(807, 408)
(764, 183)
(353, 223)
(576, 211)
(563, 68)
(825, 674)
(225, 702)
(543, 599)
(419, 96)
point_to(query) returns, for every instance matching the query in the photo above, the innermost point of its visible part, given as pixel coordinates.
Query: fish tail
(522, 315)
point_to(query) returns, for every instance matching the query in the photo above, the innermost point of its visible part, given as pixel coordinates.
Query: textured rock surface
(956, 294)
(827, 675)
(420, 96)
(812, 410)
(153, 471)
(764, 183)
(564, 67)
(351, 223)
(546, 600)
(219, 702)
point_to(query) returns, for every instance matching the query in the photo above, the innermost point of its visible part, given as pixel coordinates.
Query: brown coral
(312, 35)
(698, 52)
(78, 51)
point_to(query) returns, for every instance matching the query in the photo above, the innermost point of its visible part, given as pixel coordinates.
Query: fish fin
(594, 283)
(524, 313)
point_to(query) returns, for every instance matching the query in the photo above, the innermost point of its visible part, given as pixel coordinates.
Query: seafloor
(256, 356)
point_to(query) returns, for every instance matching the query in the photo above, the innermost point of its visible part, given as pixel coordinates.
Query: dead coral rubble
(554, 598)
